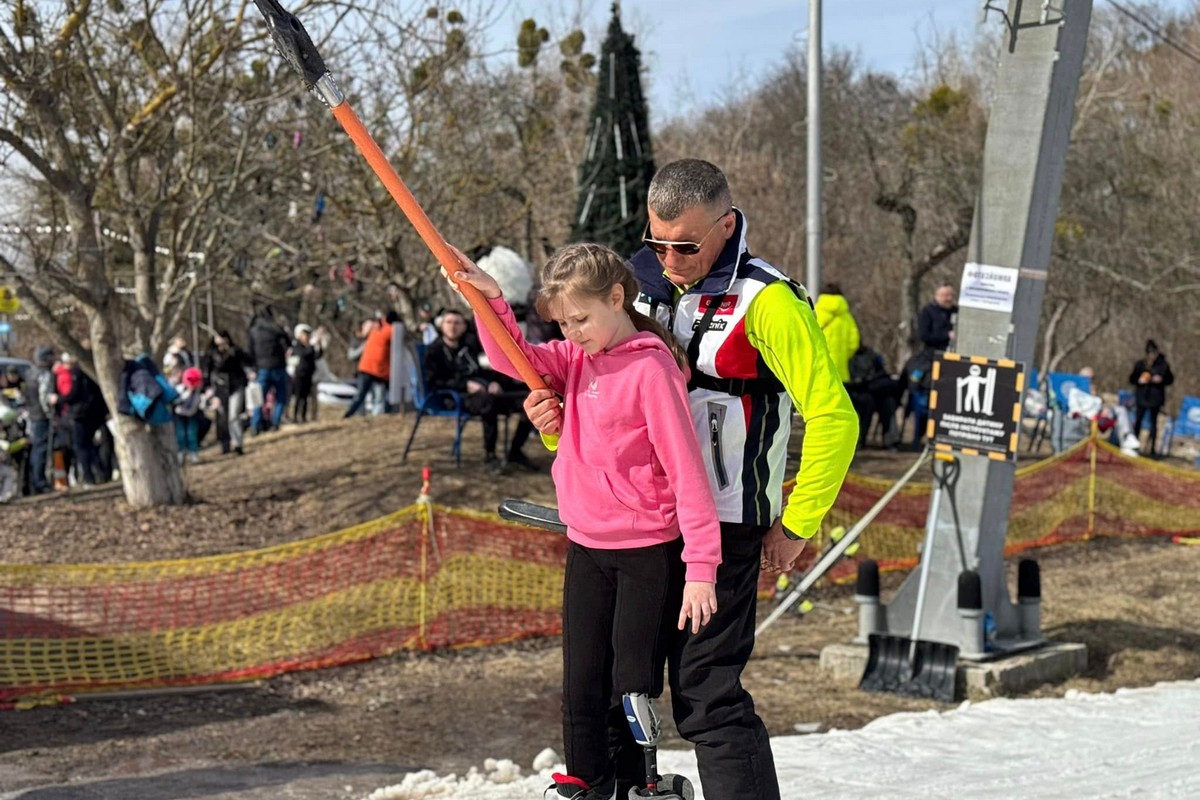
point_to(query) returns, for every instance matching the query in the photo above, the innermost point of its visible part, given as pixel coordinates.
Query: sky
(697, 48)
(1132, 743)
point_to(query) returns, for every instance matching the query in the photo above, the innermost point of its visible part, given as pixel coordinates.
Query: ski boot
(644, 722)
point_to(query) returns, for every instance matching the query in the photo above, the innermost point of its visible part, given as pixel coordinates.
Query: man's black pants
(614, 604)
(488, 407)
(711, 708)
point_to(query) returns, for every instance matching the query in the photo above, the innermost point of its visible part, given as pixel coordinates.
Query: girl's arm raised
(549, 359)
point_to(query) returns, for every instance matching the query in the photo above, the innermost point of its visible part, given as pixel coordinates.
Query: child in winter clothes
(632, 490)
(187, 415)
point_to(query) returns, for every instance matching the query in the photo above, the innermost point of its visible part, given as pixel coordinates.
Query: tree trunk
(145, 453)
(149, 471)
(910, 297)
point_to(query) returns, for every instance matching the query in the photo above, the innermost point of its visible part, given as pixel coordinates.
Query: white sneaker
(193, 458)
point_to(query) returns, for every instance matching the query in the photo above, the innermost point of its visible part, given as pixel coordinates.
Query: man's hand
(779, 553)
(544, 410)
(474, 387)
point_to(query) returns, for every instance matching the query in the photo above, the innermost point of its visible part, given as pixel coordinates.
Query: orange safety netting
(421, 578)
(1089, 490)
(430, 577)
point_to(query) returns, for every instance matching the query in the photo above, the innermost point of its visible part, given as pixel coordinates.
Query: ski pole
(297, 48)
(831, 556)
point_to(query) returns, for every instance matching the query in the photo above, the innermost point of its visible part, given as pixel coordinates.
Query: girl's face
(591, 322)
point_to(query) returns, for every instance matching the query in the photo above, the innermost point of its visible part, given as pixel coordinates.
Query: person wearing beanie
(1151, 376)
(187, 415)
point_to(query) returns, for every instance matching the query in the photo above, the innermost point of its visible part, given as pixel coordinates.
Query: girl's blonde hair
(592, 270)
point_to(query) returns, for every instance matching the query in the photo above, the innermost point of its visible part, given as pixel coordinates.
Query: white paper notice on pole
(987, 287)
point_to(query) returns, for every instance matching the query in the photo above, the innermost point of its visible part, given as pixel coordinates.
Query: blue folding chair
(439, 403)
(436, 403)
(1061, 384)
(1186, 425)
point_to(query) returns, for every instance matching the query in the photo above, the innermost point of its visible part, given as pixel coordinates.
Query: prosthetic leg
(644, 722)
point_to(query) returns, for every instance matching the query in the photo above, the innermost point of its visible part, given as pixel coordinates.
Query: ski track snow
(1142, 743)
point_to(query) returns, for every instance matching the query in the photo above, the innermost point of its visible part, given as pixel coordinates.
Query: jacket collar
(719, 280)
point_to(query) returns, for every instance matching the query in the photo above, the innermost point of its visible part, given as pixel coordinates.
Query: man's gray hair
(686, 184)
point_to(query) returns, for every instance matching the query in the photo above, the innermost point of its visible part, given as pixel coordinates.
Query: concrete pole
(812, 224)
(1023, 162)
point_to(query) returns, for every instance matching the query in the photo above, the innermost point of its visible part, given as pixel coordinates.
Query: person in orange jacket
(374, 365)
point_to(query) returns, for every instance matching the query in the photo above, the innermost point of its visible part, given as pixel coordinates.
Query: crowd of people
(64, 416)
(60, 413)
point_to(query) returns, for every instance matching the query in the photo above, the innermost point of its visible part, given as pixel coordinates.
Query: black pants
(711, 708)
(88, 464)
(1152, 412)
(615, 604)
(302, 386)
(878, 397)
(489, 407)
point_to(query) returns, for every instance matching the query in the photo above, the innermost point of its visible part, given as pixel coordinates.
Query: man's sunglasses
(682, 248)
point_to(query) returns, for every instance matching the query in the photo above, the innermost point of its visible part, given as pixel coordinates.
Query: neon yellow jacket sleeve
(784, 329)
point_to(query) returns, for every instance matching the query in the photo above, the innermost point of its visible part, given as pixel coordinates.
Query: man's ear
(728, 224)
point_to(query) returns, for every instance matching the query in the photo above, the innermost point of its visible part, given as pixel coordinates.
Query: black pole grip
(293, 42)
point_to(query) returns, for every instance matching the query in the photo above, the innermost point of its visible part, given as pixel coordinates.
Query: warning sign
(975, 405)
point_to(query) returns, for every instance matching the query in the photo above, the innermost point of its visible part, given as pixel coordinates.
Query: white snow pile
(1142, 743)
(513, 273)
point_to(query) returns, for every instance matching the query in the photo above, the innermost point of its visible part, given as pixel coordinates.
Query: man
(754, 348)
(268, 351)
(935, 323)
(452, 363)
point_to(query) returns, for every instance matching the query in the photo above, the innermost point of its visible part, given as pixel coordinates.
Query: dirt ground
(1131, 602)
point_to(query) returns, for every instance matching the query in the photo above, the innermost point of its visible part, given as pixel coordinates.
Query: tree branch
(954, 241)
(1075, 343)
(45, 318)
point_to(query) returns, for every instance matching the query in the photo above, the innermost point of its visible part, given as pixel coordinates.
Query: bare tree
(135, 123)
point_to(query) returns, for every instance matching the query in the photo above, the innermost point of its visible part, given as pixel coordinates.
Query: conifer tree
(618, 161)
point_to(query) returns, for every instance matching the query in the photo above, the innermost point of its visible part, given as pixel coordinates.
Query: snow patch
(1139, 743)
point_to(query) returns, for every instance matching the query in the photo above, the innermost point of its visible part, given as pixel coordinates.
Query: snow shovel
(296, 47)
(908, 665)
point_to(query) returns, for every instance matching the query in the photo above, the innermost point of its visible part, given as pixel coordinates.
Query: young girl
(630, 483)
(187, 415)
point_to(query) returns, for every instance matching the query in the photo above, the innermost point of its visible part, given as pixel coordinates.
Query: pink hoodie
(628, 471)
